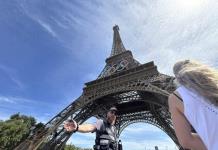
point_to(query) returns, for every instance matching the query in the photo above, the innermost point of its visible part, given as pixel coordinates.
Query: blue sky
(49, 49)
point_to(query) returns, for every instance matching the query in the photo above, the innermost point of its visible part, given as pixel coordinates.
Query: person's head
(199, 78)
(112, 115)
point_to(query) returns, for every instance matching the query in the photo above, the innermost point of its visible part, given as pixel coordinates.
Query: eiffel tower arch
(139, 91)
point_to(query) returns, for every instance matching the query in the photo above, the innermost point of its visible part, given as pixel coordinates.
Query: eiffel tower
(139, 91)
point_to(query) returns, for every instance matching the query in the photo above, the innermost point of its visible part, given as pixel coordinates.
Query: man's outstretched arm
(72, 126)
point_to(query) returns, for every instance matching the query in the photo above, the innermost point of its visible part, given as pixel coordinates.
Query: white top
(202, 116)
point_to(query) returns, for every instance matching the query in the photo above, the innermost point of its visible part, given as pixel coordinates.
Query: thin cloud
(12, 75)
(20, 100)
(47, 27)
(35, 108)
(7, 100)
(27, 10)
(60, 23)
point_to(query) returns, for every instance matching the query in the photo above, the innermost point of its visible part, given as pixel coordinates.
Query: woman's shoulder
(174, 102)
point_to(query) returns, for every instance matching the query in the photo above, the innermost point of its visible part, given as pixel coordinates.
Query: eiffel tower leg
(60, 137)
(43, 134)
(162, 121)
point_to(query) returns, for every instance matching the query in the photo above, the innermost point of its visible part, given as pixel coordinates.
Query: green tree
(73, 147)
(15, 130)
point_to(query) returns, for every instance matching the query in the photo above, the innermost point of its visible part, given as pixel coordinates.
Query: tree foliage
(73, 147)
(15, 130)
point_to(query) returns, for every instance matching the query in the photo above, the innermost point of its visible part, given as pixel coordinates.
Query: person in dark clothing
(106, 133)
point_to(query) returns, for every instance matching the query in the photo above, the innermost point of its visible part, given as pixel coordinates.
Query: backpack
(106, 137)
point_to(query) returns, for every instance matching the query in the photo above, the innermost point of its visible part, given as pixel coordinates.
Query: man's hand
(70, 125)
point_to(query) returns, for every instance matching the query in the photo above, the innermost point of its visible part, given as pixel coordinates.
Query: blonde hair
(199, 78)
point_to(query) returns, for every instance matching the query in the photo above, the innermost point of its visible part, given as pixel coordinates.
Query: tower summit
(120, 58)
(117, 46)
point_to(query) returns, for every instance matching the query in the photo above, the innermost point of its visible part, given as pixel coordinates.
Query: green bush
(15, 130)
(73, 147)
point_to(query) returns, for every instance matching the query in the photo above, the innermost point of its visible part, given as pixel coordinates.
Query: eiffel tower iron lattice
(138, 90)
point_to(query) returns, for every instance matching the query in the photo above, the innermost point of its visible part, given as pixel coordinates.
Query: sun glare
(190, 4)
